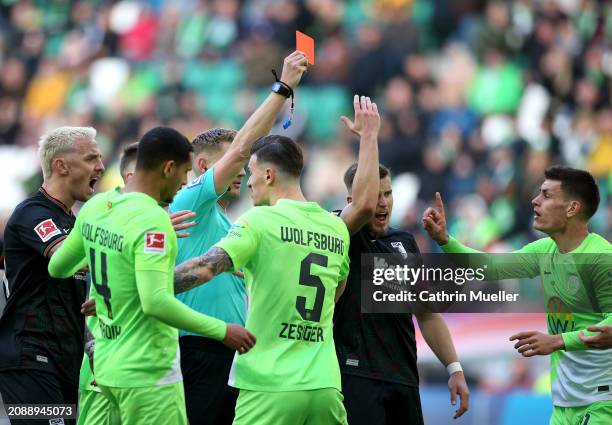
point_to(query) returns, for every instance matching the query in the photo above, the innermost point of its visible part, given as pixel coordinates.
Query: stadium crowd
(477, 97)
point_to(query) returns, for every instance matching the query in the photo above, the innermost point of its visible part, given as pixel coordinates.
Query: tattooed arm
(201, 269)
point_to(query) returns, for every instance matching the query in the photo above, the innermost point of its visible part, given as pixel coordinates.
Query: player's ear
(168, 168)
(60, 166)
(349, 199)
(202, 164)
(573, 209)
(270, 175)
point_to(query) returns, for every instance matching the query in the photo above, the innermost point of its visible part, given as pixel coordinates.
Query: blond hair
(58, 141)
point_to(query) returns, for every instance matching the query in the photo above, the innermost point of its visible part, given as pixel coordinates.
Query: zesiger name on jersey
(301, 332)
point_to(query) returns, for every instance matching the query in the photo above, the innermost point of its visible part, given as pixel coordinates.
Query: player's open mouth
(92, 183)
(536, 215)
(381, 217)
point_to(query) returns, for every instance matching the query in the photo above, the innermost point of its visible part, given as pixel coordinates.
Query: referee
(377, 352)
(42, 328)
(220, 156)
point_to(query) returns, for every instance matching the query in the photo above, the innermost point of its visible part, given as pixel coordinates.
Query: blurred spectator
(477, 97)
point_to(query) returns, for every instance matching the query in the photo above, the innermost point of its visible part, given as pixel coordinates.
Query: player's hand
(434, 221)
(178, 220)
(458, 386)
(239, 339)
(602, 340)
(294, 66)
(88, 308)
(367, 119)
(534, 343)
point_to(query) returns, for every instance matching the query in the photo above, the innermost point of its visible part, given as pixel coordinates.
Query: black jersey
(41, 326)
(375, 346)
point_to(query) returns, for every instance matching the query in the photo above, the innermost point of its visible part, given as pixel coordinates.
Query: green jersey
(86, 375)
(293, 255)
(578, 294)
(119, 237)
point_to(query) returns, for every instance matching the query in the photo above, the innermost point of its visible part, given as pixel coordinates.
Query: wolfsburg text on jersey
(102, 237)
(312, 239)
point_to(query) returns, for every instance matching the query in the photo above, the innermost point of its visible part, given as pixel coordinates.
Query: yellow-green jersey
(293, 255)
(120, 236)
(578, 293)
(86, 375)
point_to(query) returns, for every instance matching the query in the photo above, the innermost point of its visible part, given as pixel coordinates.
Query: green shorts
(312, 407)
(159, 405)
(96, 409)
(598, 413)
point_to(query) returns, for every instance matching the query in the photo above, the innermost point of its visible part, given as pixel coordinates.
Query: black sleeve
(39, 230)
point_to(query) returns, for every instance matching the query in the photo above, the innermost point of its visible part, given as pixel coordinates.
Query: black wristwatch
(282, 89)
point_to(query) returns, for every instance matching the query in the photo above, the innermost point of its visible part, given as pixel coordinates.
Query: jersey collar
(303, 204)
(56, 201)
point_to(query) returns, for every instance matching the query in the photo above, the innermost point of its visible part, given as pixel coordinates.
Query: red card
(305, 44)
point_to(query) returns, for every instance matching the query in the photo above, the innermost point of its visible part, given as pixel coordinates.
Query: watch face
(277, 87)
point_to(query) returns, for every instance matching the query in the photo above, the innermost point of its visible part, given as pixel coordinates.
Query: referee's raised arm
(260, 123)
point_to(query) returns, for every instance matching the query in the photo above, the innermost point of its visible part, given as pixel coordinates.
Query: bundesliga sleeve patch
(47, 229)
(155, 243)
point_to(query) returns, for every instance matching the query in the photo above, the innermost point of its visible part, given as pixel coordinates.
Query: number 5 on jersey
(308, 279)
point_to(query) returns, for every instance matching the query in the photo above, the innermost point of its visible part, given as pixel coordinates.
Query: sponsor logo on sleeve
(46, 229)
(155, 243)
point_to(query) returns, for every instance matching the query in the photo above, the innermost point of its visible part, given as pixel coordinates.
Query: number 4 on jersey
(102, 288)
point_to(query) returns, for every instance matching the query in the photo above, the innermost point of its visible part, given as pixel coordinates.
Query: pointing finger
(439, 202)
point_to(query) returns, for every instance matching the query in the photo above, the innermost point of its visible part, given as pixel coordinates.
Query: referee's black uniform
(41, 328)
(377, 352)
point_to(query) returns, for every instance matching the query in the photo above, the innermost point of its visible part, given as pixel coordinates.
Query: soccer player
(581, 377)
(94, 407)
(219, 160)
(131, 248)
(295, 259)
(377, 352)
(127, 161)
(42, 328)
(127, 166)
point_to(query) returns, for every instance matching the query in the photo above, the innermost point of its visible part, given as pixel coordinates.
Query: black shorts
(206, 364)
(31, 386)
(368, 401)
